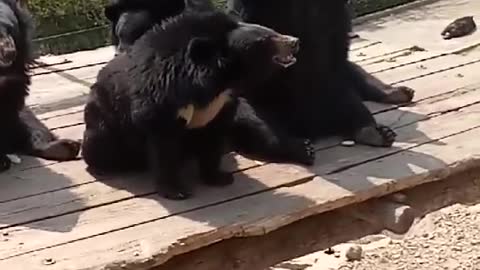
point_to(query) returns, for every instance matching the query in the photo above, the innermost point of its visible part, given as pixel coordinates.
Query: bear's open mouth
(8, 51)
(285, 60)
(287, 47)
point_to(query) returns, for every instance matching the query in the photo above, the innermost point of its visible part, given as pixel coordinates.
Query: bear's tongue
(285, 60)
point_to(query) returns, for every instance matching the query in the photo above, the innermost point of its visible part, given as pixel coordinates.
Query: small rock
(456, 248)
(329, 251)
(348, 143)
(14, 159)
(49, 261)
(354, 253)
(399, 197)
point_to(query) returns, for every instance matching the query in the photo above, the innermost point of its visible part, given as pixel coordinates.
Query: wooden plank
(398, 60)
(150, 207)
(360, 43)
(380, 51)
(146, 245)
(59, 113)
(74, 60)
(410, 72)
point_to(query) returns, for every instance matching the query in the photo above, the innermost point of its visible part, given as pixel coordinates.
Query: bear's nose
(295, 45)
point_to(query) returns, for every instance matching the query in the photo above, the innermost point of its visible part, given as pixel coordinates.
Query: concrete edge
(391, 11)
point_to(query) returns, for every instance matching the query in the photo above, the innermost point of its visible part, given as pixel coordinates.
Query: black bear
(132, 18)
(22, 132)
(322, 94)
(172, 96)
(326, 86)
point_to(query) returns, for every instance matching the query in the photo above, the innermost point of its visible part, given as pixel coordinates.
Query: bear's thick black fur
(132, 18)
(322, 94)
(22, 132)
(146, 105)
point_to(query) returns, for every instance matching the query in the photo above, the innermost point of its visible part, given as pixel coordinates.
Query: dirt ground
(446, 235)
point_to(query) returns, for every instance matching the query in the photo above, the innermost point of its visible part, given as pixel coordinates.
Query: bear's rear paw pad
(399, 95)
(380, 135)
(5, 163)
(61, 150)
(175, 192)
(218, 179)
(300, 151)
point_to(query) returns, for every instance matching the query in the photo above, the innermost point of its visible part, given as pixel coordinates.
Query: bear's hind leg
(251, 135)
(5, 163)
(371, 88)
(43, 143)
(106, 153)
(166, 156)
(359, 122)
(209, 150)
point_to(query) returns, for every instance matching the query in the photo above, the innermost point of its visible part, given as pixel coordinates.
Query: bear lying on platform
(173, 96)
(22, 132)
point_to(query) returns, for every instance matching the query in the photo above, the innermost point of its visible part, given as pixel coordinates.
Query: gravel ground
(448, 238)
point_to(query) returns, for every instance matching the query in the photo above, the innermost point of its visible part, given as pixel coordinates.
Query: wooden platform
(57, 216)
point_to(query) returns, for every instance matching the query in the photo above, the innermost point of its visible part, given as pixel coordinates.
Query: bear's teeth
(285, 61)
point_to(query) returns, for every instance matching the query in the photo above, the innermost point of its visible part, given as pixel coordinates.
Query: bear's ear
(201, 50)
(199, 5)
(111, 12)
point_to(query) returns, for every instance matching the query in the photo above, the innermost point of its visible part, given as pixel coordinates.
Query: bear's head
(130, 19)
(247, 54)
(196, 52)
(15, 34)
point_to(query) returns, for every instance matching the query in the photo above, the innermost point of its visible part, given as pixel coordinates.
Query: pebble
(354, 253)
(329, 251)
(14, 159)
(348, 143)
(49, 261)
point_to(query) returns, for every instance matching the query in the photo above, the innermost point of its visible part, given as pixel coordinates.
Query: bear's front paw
(175, 192)
(379, 135)
(399, 95)
(61, 150)
(218, 179)
(300, 151)
(5, 163)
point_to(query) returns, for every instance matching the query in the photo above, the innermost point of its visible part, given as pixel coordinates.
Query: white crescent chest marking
(200, 117)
